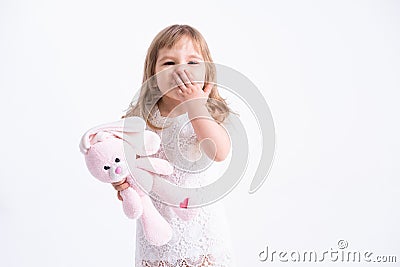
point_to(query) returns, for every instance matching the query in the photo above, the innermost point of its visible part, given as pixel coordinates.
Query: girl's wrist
(197, 108)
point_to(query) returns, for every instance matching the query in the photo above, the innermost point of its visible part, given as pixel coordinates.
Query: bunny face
(106, 160)
(106, 145)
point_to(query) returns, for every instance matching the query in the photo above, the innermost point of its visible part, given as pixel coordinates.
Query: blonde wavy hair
(149, 93)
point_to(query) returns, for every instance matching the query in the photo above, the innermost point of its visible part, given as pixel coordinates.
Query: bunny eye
(117, 160)
(106, 167)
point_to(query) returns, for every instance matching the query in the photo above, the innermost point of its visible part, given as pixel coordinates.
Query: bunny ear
(134, 124)
(151, 143)
(145, 143)
(129, 125)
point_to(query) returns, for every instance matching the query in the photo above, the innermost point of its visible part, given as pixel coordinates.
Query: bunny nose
(118, 170)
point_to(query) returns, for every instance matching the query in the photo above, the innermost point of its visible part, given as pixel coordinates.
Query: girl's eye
(106, 167)
(117, 160)
(172, 63)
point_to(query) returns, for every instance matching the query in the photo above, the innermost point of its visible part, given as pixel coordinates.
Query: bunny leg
(156, 229)
(131, 203)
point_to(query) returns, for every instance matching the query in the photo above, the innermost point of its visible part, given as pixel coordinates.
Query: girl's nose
(118, 170)
(181, 67)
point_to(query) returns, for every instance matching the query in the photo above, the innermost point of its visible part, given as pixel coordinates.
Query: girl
(178, 86)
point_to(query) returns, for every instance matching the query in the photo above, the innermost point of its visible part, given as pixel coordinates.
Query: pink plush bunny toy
(103, 147)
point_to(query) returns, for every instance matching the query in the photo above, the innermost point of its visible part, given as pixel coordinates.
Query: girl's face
(182, 55)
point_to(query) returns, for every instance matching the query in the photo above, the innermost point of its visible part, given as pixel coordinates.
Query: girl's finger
(185, 78)
(207, 88)
(179, 81)
(190, 76)
(122, 186)
(125, 186)
(192, 80)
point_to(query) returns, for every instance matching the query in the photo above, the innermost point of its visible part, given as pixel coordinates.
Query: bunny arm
(155, 165)
(141, 180)
(149, 181)
(161, 166)
(131, 203)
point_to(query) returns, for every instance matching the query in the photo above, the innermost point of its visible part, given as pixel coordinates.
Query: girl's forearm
(214, 139)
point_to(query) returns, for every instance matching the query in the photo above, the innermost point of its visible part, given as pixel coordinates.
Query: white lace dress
(205, 239)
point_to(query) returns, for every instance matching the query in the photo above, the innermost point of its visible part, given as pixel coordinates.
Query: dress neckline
(158, 113)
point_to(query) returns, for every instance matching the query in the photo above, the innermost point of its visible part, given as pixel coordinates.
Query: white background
(329, 71)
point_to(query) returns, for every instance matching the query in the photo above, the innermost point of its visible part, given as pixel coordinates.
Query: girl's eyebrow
(189, 56)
